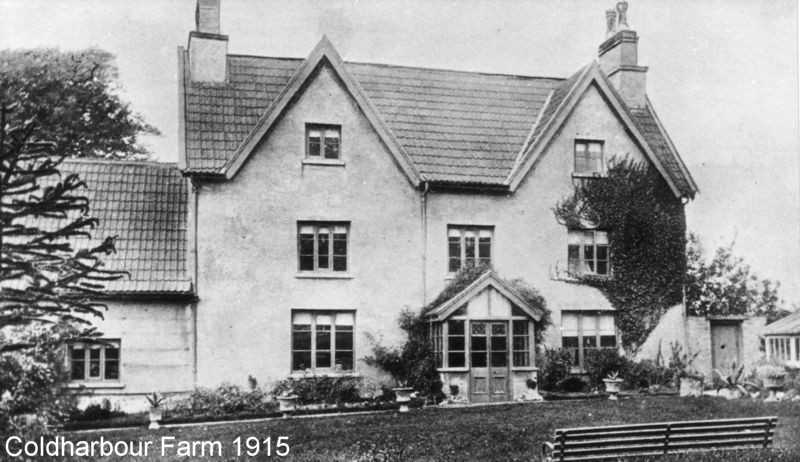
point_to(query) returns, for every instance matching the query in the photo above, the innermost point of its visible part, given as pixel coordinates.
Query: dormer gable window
(589, 158)
(323, 142)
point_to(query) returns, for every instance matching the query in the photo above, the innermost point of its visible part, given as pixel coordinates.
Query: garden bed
(503, 432)
(142, 419)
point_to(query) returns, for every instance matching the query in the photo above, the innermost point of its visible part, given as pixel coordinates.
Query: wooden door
(726, 345)
(489, 365)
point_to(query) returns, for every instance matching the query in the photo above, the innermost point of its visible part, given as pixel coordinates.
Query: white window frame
(588, 329)
(341, 316)
(324, 130)
(784, 348)
(87, 347)
(462, 232)
(333, 227)
(586, 146)
(597, 238)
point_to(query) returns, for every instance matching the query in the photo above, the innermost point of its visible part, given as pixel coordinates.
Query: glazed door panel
(489, 362)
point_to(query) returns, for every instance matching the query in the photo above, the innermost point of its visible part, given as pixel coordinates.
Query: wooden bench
(591, 443)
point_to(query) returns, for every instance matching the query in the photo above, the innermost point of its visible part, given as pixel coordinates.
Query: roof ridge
(422, 68)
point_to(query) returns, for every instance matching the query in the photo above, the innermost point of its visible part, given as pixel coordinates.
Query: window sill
(310, 374)
(589, 176)
(326, 162)
(525, 369)
(95, 385)
(323, 276)
(452, 369)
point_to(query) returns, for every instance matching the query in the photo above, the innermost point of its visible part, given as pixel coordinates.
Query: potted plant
(287, 402)
(690, 380)
(772, 376)
(402, 396)
(612, 382)
(156, 411)
(730, 385)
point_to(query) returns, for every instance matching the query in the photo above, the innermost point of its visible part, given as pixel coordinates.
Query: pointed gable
(443, 127)
(482, 287)
(644, 129)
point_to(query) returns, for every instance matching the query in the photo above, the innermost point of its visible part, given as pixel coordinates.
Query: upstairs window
(588, 158)
(323, 141)
(468, 246)
(322, 246)
(94, 361)
(587, 252)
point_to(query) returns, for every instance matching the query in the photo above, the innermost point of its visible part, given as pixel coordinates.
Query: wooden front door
(489, 367)
(726, 345)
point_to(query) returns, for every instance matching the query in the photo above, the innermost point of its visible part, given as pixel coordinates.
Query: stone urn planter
(287, 404)
(402, 396)
(156, 411)
(613, 383)
(691, 385)
(773, 380)
(612, 388)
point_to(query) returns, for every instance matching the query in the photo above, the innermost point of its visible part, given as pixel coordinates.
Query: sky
(723, 77)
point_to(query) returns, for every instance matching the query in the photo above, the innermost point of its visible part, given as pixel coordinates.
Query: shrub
(646, 373)
(412, 364)
(572, 385)
(555, 367)
(226, 399)
(321, 389)
(30, 381)
(600, 363)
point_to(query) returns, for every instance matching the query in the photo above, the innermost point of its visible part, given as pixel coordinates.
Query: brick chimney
(208, 49)
(618, 57)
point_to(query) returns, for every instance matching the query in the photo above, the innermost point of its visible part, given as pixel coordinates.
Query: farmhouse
(315, 198)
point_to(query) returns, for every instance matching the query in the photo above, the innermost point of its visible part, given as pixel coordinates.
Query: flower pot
(691, 386)
(612, 387)
(287, 404)
(773, 382)
(155, 416)
(402, 396)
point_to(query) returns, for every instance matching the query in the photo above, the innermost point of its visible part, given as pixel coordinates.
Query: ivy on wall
(647, 234)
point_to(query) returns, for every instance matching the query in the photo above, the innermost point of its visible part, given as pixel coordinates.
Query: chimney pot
(611, 23)
(619, 58)
(206, 17)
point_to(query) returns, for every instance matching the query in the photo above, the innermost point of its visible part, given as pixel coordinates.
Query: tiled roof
(219, 116)
(646, 121)
(456, 127)
(144, 204)
(789, 325)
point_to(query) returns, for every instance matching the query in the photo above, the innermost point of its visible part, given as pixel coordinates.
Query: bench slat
(587, 443)
(673, 425)
(673, 438)
(629, 450)
(601, 434)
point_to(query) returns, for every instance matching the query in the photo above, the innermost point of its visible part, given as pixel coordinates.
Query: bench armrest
(547, 451)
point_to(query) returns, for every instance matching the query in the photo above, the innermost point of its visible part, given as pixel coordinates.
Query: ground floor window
(323, 340)
(457, 340)
(783, 348)
(583, 332)
(98, 360)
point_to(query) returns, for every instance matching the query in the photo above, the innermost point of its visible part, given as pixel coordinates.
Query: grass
(502, 432)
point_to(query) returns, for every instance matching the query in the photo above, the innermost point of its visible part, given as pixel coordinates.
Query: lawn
(502, 432)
